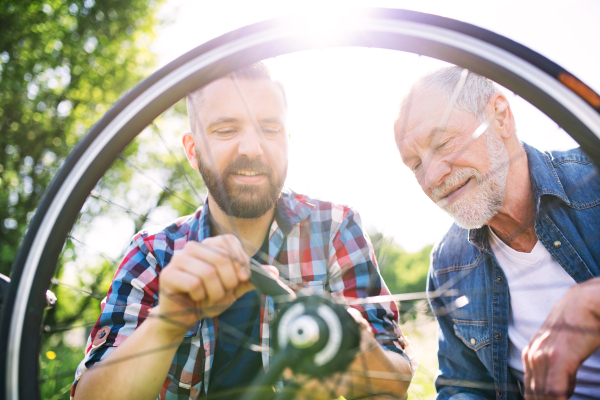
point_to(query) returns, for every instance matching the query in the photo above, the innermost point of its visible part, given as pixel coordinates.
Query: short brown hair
(253, 72)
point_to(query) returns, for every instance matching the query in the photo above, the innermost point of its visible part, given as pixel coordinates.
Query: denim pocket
(474, 334)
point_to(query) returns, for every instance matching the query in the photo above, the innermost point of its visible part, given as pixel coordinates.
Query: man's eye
(225, 131)
(416, 167)
(442, 145)
(270, 130)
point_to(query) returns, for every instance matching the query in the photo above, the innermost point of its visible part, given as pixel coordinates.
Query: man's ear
(502, 116)
(189, 145)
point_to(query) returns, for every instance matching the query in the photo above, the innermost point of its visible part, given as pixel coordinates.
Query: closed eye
(226, 131)
(271, 130)
(442, 145)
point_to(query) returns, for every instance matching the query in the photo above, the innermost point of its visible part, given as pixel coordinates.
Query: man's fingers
(242, 289)
(232, 246)
(226, 254)
(527, 380)
(209, 277)
(272, 269)
(181, 281)
(362, 322)
(546, 376)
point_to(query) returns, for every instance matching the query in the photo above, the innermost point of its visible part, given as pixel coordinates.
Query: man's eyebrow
(222, 120)
(435, 131)
(271, 120)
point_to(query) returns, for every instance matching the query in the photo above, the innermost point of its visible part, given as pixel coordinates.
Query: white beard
(479, 205)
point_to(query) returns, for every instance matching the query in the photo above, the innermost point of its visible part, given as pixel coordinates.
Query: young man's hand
(202, 281)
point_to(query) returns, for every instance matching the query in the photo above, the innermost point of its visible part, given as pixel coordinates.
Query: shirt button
(498, 393)
(557, 244)
(473, 342)
(499, 279)
(498, 335)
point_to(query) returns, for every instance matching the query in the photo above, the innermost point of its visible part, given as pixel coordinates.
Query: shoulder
(167, 238)
(325, 220)
(453, 253)
(577, 175)
(571, 156)
(325, 211)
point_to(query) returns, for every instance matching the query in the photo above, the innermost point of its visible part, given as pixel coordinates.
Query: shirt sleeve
(354, 274)
(131, 296)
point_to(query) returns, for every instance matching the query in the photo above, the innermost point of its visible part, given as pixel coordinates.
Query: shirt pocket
(474, 334)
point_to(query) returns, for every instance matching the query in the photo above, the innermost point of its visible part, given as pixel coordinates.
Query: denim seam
(553, 170)
(459, 267)
(583, 206)
(582, 162)
(467, 322)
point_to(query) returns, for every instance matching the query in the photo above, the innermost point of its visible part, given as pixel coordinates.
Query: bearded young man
(182, 320)
(525, 239)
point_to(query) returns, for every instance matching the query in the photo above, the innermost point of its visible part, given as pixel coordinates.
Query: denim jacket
(473, 339)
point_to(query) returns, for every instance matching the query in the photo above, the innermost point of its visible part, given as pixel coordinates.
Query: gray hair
(473, 97)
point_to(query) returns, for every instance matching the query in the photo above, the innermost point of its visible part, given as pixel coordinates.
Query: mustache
(459, 176)
(254, 165)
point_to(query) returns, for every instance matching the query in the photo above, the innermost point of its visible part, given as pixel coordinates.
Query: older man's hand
(569, 336)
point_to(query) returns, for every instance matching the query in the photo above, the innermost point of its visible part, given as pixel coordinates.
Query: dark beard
(242, 201)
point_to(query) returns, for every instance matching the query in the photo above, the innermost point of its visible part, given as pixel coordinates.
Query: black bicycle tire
(573, 107)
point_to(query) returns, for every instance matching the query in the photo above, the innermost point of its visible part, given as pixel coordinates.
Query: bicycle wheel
(550, 88)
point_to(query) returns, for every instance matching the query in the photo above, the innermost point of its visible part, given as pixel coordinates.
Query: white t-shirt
(536, 281)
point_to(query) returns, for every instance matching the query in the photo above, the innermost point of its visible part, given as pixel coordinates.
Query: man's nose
(435, 171)
(250, 144)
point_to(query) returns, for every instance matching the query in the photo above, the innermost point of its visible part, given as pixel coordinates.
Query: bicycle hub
(322, 334)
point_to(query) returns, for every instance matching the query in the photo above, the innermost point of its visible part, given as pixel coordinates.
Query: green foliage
(402, 272)
(63, 63)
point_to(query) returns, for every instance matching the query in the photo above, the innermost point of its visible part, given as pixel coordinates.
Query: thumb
(272, 269)
(242, 289)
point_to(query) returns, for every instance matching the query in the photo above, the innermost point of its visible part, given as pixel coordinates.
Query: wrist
(166, 328)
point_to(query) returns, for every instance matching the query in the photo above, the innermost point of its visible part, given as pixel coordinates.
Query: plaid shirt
(316, 245)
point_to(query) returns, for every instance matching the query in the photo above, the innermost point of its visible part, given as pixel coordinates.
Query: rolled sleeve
(131, 296)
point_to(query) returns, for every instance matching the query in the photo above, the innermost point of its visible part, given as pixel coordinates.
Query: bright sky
(343, 101)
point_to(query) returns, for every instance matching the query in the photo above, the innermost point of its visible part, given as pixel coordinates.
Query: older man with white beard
(524, 249)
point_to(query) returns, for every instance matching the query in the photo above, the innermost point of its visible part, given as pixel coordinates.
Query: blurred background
(64, 63)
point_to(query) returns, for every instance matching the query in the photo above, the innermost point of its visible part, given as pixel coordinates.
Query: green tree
(63, 63)
(402, 272)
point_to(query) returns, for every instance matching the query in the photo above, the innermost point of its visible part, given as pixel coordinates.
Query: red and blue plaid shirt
(315, 244)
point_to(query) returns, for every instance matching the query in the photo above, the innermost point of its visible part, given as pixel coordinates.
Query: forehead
(422, 117)
(222, 97)
(423, 110)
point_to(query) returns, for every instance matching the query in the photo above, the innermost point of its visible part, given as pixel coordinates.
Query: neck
(250, 231)
(515, 222)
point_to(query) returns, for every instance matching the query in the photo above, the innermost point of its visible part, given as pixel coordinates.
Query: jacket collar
(544, 181)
